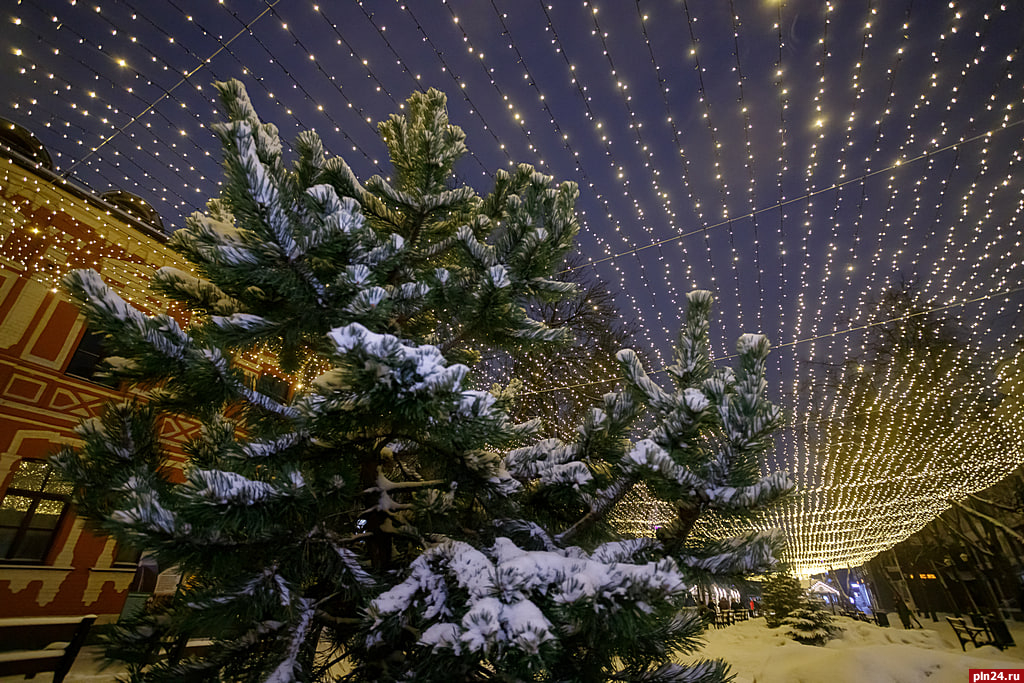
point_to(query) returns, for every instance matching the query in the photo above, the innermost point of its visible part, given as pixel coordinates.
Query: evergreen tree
(387, 513)
(781, 595)
(810, 624)
(700, 454)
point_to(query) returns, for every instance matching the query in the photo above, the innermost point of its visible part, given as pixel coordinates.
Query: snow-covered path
(863, 653)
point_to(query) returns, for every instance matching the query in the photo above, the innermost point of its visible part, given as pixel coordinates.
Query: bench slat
(29, 662)
(24, 642)
(20, 655)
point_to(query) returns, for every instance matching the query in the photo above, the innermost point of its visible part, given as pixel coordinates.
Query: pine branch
(605, 501)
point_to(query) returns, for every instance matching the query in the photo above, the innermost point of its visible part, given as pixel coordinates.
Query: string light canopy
(797, 158)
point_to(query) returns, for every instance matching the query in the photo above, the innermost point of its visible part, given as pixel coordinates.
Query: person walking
(906, 615)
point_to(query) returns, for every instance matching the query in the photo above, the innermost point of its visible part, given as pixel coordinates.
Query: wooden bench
(855, 614)
(998, 632)
(724, 618)
(29, 646)
(977, 636)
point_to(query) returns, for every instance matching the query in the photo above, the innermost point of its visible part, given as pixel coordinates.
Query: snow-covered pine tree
(293, 513)
(781, 594)
(373, 515)
(559, 585)
(810, 624)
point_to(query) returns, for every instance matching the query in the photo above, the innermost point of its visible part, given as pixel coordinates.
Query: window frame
(87, 359)
(123, 551)
(273, 387)
(24, 525)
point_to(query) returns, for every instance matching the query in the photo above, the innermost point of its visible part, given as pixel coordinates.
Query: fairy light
(716, 151)
(796, 174)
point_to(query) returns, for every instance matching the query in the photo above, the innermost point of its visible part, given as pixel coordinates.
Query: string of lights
(797, 342)
(802, 198)
(184, 79)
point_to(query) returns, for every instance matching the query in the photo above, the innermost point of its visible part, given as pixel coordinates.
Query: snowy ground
(864, 652)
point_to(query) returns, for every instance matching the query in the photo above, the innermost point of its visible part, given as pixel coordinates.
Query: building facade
(50, 562)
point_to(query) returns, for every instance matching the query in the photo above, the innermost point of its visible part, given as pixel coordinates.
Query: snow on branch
(766, 490)
(499, 276)
(647, 454)
(389, 354)
(267, 448)
(160, 332)
(209, 239)
(485, 254)
(531, 462)
(366, 300)
(221, 487)
(693, 349)
(243, 323)
(351, 563)
(431, 202)
(339, 174)
(386, 250)
(623, 551)
(147, 514)
(507, 590)
(742, 555)
(638, 379)
(120, 444)
(162, 337)
(262, 185)
(336, 216)
(289, 668)
(198, 292)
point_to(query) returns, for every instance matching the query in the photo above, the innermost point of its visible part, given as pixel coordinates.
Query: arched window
(31, 511)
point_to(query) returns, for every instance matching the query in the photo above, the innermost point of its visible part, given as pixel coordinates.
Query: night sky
(797, 158)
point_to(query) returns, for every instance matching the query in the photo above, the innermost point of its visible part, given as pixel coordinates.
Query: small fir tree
(386, 513)
(810, 624)
(781, 595)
